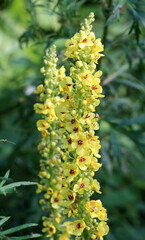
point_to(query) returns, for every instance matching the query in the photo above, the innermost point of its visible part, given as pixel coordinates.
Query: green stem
(105, 31)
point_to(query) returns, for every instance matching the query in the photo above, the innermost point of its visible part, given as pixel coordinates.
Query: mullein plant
(73, 214)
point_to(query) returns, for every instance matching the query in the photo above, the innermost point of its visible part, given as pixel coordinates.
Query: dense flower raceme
(50, 173)
(78, 121)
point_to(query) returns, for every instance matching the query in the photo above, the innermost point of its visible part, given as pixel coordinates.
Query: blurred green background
(27, 28)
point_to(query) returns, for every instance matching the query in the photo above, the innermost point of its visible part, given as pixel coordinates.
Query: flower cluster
(78, 123)
(71, 121)
(50, 173)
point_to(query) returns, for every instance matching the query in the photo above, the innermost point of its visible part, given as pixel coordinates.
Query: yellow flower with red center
(68, 197)
(67, 143)
(38, 107)
(85, 77)
(71, 47)
(83, 162)
(75, 228)
(72, 125)
(83, 184)
(66, 84)
(42, 125)
(87, 118)
(70, 171)
(56, 199)
(86, 40)
(80, 142)
(49, 227)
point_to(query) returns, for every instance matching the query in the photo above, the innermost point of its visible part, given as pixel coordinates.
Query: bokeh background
(27, 28)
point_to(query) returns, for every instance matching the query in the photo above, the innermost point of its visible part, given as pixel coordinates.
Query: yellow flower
(94, 144)
(71, 47)
(75, 228)
(94, 166)
(38, 107)
(87, 118)
(96, 186)
(102, 229)
(93, 207)
(79, 143)
(83, 184)
(49, 227)
(42, 125)
(40, 89)
(44, 133)
(67, 143)
(48, 105)
(52, 116)
(85, 77)
(58, 218)
(70, 171)
(86, 40)
(69, 197)
(61, 73)
(56, 199)
(83, 162)
(64, 236)
(96, 210)
(66, 84)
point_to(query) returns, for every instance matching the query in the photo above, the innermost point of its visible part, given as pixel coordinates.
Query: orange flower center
(82, 159)
(84, 40)
(85, 77)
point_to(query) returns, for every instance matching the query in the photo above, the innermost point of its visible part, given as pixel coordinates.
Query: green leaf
(5, 176)
(116, 148)
(26, 237)
(4, 219)
(138, 86)
(16, 229)
(137, 2)
(136, 120)
(14, 185)
(7, 179)
(128, 54)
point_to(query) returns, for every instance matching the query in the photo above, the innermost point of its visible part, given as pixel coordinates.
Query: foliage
(9, 188)
(120, 24)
